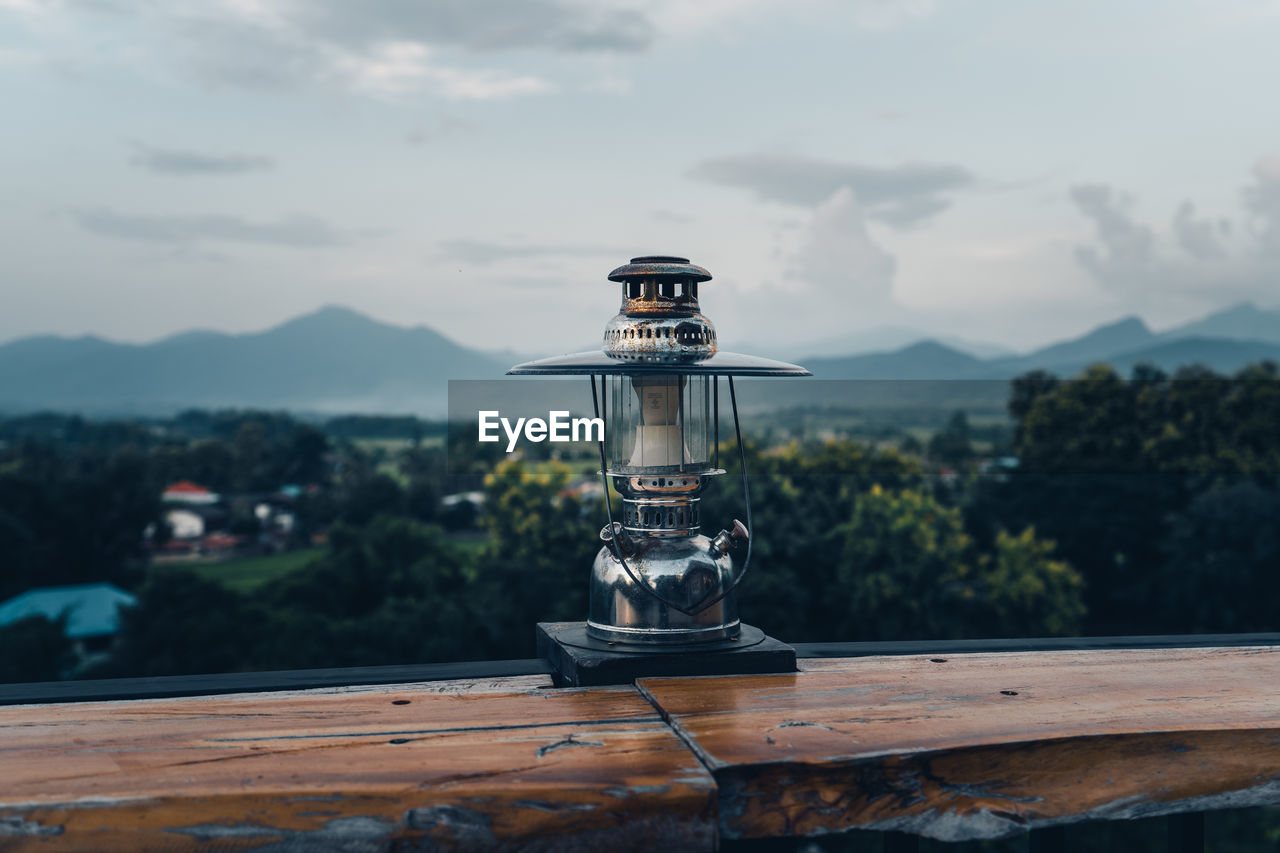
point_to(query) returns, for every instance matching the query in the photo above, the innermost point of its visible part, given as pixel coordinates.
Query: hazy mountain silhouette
(1122, 344)
(337, 360)
(1123, 335)
(1242, 322)
(1224, 356)
(334, 359)
(886, 339)
(923, 360)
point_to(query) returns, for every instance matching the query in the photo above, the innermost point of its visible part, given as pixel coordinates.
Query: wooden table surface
(984, 745)
(971, 746)
(462, 765)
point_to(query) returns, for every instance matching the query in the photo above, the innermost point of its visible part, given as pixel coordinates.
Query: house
(586, 490)
(92, 612)
(476, 499)
(184, 524)
(195, 520)
(187, 492)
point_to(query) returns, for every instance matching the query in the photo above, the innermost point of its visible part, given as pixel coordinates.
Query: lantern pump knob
(611, 533)
(725, 541)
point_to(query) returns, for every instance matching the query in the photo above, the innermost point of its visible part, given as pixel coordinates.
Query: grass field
(247, 574)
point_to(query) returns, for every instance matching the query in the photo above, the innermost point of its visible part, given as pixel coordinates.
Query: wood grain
(984, 745)
(467, 765)
(970, 746)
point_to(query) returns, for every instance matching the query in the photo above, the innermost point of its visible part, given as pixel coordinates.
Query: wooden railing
(951, 742)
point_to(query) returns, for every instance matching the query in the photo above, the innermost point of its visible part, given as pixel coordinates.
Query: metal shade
(719, 363)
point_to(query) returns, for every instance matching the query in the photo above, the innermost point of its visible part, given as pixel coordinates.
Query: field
(249, 573)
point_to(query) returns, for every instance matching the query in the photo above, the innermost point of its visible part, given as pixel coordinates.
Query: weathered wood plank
(984, 745)
(470, 765)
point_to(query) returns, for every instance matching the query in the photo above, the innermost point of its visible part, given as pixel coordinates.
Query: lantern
(658, 583)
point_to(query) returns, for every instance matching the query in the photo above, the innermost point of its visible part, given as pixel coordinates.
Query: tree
(73, 516)
(184, 625)
(1223, 556)
(394, 591)
(537, 564)
(1109, 469)
(33, 649)
(909, 571)
(953, 445)
(1029, 593)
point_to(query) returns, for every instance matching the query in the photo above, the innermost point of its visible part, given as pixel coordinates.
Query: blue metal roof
(92, 609)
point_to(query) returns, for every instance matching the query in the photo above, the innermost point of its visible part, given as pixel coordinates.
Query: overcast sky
(996, 169)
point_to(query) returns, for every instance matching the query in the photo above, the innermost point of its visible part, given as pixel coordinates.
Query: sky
(1001, 171)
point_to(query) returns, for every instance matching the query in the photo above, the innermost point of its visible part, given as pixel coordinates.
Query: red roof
(186, 487)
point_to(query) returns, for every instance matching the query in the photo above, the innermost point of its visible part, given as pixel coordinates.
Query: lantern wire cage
(613, 545)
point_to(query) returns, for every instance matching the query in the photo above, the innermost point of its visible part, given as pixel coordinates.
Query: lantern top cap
(660, 266)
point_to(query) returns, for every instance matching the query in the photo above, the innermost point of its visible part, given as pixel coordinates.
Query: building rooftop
(91, 610)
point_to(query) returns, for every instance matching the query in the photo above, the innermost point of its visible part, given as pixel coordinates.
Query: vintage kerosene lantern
(659, 587)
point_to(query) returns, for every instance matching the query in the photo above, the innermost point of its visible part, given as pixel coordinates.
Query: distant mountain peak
(329, 314)
(1245, 311)
(1243, 321)
(333, 310)
(935, 346)
(332, 359)
(1131, 323)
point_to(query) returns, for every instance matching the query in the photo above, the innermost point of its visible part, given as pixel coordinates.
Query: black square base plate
(578, 660)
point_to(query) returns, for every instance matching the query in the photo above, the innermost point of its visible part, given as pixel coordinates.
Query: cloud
(405, 67)
(440, 128)
(1200, 238)
(840, 261)
(479, 25)
(484, 252)
(1262, 201)
(671, 217)
(900, 196)
(295, 231)
(256, 54)
(377, 47)
(1124, 246)
(683, 17)
(172, 161)
(1202, 260)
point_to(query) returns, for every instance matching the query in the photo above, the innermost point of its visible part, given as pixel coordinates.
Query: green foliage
(249, 573)
(1223, 555)
(63, 516)
(904, 566)
(953, 445)
(850, 544)
(1196, 422)
(184, 625)
(393, 592)
(1160, 494)
(539, 558)
(1129, 477)
(34, 649)
(908, 570)
(1027, 592)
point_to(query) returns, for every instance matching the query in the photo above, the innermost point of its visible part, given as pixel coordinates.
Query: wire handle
(746, 492)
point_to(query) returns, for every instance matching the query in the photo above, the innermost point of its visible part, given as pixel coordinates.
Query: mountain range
(1224, 341)
(332, 360)
(337, 360)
